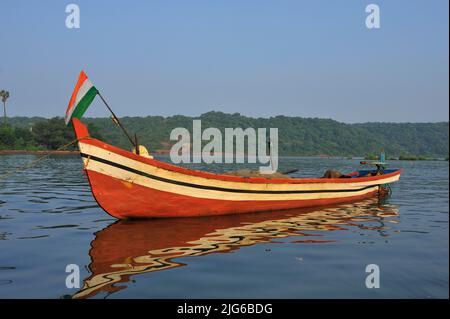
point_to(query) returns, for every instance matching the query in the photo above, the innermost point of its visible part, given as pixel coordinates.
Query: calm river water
(48, 220)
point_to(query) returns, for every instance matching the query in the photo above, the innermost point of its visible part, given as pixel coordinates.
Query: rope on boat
(33, 163)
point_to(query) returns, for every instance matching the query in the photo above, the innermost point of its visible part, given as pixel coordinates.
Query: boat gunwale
(83, 136)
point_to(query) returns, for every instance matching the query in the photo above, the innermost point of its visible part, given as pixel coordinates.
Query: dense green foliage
(297, 136)
(42, 134)
(52, 134)
(16, 138)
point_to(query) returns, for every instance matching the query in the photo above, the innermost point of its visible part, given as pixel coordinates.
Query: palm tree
(4, 95)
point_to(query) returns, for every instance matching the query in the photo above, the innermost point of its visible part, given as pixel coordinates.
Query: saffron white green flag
(82, 96)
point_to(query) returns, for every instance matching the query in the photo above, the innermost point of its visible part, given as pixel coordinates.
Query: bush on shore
(48, 134)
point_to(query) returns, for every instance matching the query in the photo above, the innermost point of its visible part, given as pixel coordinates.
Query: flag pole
(116, 120)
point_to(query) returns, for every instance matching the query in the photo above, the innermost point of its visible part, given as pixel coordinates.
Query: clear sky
(259, 58)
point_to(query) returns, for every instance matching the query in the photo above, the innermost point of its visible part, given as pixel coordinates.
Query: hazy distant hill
(297, 136)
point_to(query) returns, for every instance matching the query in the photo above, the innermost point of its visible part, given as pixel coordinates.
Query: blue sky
(259, 58)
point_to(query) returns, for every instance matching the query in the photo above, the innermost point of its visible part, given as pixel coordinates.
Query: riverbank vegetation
(297, 136)
(406, 157)
(44, 134)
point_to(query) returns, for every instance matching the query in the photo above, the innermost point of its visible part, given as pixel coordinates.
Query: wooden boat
(127, 185)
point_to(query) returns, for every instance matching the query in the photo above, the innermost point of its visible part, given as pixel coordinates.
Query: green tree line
(43, 134)
(297, 136)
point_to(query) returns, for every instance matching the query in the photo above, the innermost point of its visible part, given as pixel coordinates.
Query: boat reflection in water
(128, 248)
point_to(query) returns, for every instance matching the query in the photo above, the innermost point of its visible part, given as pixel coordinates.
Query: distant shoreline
(166, 152)
(41, 152)
(55, 152)
(298, 136)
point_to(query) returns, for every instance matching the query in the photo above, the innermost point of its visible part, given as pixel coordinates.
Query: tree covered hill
(297, 136)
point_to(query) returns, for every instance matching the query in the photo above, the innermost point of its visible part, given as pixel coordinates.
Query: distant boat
(127, 185)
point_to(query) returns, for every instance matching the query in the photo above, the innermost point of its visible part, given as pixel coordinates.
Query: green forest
(297, 136)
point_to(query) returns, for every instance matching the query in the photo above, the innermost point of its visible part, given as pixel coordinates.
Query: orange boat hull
(123, 200)
(127, 185)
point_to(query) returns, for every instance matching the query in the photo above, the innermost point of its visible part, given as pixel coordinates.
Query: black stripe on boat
(231, 190)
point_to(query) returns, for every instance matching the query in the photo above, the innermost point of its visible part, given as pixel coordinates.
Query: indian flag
(82, 96)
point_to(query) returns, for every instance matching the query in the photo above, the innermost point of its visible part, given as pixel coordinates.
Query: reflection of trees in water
(126, 248)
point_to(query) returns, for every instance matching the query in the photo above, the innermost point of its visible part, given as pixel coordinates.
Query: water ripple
(48, 219)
